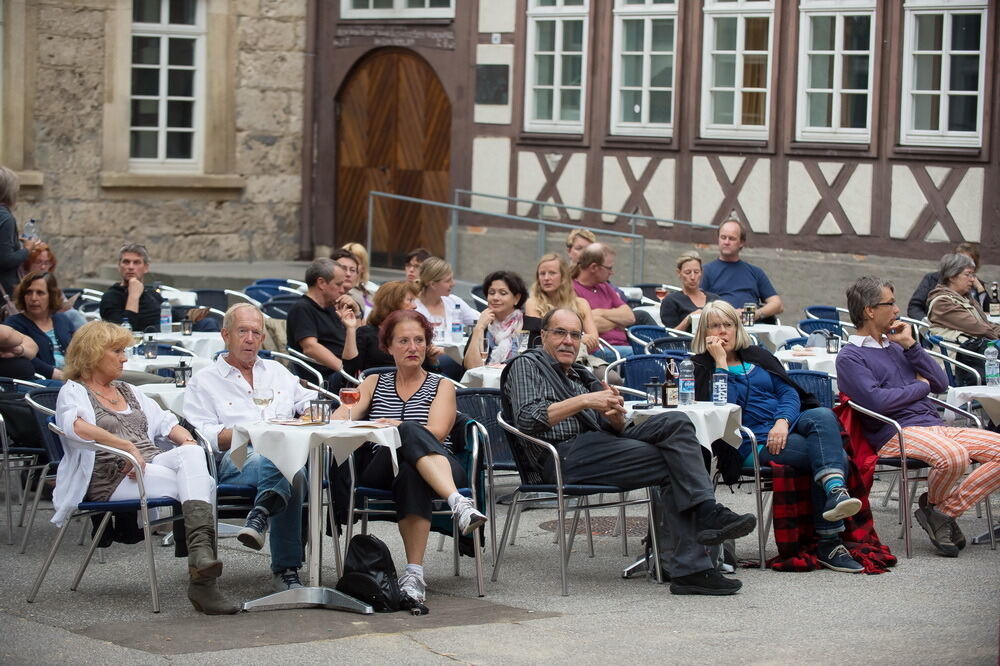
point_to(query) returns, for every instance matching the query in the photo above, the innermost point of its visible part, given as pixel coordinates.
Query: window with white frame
(390, 9)
(165, 126)
(642, 75)
(944, 65)
(555, 66)
(736, 69)
(834, 93)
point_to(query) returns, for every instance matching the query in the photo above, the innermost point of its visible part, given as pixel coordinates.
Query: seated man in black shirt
(323, 323)
(130, 300)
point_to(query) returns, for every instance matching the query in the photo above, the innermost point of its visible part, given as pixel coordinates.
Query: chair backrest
(818, 383)
(528, 458)
(638, 369)
(667, 345)
(483, 404)
(808, 326)
(821, 312)
(42, 402)
(478, 297)
(791, 342)
(212, 298)
(276, 310)
(271, 282)
(261, 293)
(639, 335)
(377, 370)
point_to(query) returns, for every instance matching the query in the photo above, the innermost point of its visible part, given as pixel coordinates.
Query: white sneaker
(413, 586)
(469, 518)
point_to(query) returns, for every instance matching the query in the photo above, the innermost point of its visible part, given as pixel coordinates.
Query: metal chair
(163, 349)
(636, 370)
(478, 298)
(906, 465)
(791, 342)
(667, 345)
(639, 336)
(43, 405)
(818, 383)
(529, 455)
(952, 364)
(86, 509)
(18, 458)
(760, 476)
(834, 326)
(379, 501)
(824, 312)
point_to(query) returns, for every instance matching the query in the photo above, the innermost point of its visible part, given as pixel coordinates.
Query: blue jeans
(286, 524)
(814, 445)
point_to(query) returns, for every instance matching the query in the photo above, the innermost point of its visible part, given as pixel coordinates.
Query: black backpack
(370, 575)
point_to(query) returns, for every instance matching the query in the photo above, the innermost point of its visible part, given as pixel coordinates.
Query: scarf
(504, 335)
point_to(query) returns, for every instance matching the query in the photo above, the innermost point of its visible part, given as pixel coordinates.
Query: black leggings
(413, 496)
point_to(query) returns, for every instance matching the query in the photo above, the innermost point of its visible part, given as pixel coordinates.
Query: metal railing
(452, 251)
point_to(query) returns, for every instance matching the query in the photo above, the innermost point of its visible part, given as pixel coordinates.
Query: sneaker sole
(832, 567)
(942, 549)
(734, 530)
(845, 509)
(251, 539)
(474, 525)
(677, 588)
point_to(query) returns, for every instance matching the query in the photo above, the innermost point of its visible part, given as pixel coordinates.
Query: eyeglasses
(968, 274)
(561, 333)
(610, 269)
(887, 304)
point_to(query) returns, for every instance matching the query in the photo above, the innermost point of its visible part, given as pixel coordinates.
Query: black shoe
(720, 524)
(252, 534)
(709, 581)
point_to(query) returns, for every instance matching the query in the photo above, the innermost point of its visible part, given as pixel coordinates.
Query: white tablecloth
(142, 364)
(204, 344)
(487, 376)
(773, 336)
(988, 397)
(288, 446)
(455, 350)
(167, 396)
(819, 360)
(710, 422)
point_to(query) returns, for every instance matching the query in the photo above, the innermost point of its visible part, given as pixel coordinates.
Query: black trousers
(662, 452)
(413, 496)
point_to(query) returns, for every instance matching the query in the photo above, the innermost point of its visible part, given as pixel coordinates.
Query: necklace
(114, 400)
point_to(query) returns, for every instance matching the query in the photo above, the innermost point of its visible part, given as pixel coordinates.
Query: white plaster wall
(497, 15)
(907, 202)
(755, 197)
(529, 179)
(499, 54)
(490, 171)
(571, 184)
(966, 205)
(660, 193)
(802, 197)
(614, 190)
(706, 194)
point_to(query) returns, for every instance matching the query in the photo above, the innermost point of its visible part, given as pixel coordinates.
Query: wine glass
(661, 292)
(522, 340)
(484, 349)
(262, 398)
(348, 397)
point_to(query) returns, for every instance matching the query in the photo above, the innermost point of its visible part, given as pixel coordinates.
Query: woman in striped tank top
(423, 408)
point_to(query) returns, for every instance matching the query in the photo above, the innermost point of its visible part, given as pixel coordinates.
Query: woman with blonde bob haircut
(553, 289)
(788, 423)
(94, 406)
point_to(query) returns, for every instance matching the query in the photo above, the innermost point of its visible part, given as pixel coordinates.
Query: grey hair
(551, 313)
(134, 248)
(229, 318)
(323, 267)
(865, 293)
(952, 265)
(9, 185)
(719, 310)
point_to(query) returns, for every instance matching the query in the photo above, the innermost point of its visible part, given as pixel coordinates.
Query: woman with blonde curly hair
(95, 406)
(553, 289)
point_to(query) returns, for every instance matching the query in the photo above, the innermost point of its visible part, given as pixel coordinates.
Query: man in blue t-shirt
(736, 281)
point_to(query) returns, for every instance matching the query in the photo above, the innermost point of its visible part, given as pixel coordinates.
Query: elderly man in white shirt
(220, 397)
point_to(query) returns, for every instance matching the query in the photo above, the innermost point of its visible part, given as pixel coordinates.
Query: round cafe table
(487, 376)
(204, 344)
(711, 422)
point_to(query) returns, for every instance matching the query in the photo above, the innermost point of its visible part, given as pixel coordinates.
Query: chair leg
(762, 528)
(454, 544)
(491, 513)
(147, 533)
(477, 552)
(888, 491)
(90, 551)
(441, 544)
(506, 531)
(657, 567)
(48, 561)
(989, 523)
(563, 550)
(7, 499)
(338, 558)
(623, 524)
(31, 515)
(904, 505)
(572, 531)
(590, 529)
(516, 509)
(83, 533)
(24, 497)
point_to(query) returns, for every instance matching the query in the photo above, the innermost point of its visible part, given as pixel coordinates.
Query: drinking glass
(522, 340)
(262, 398)
(348, 397)
(661, 292)
(484, 349)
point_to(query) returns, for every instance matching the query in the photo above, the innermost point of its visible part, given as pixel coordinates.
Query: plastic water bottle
(685, 385)
(456, 324)
(30, 230)
(720, 388)
(128, 327)
(166, 318)
(992, 365)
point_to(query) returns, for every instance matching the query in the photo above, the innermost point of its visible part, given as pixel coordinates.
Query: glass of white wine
(262, 398)
(484, 349)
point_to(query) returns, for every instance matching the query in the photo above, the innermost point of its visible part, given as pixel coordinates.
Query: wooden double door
(393, 135)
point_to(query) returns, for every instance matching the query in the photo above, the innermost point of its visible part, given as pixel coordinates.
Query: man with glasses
(220, 397)
(738, 282)
(547, 395)
(612, 315)
(885, 370)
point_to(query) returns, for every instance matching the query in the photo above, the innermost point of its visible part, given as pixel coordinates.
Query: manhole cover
(601, 526)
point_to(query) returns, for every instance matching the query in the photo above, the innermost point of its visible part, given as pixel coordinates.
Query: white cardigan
(77, 464)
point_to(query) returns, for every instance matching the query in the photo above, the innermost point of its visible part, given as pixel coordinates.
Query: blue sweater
(44, 361)
(764, 398)
(885, 381)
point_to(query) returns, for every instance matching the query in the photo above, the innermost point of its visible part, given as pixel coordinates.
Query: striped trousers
(948, 452)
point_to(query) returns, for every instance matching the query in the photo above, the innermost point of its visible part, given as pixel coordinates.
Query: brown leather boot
(206, 597)
(199, 525)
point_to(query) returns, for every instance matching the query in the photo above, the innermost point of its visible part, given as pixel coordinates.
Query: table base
(639, 567)
(309, 597)
(985, 536)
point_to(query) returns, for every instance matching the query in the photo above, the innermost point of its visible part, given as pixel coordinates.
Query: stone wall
(86, 222)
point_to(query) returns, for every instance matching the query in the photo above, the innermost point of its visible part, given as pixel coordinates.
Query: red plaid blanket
(794, 530)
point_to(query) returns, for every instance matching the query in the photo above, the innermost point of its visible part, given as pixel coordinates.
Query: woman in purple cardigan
(883, 369)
